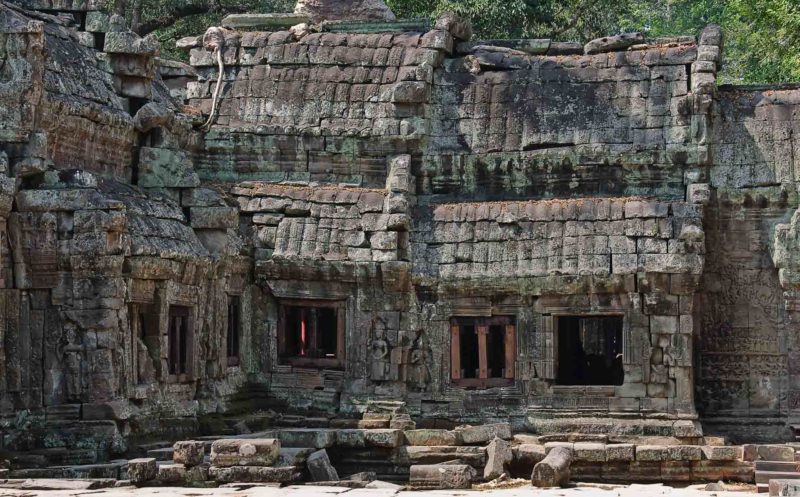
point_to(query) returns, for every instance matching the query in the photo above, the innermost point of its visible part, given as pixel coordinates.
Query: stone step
(63, 412)
(766, 476)
(111, 470)
(786, 467)
(762, 488)
(61, 456)
(154, 445)
(164, 454)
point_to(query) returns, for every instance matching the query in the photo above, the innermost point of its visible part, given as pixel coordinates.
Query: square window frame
(555, 357)
(483, 383)
(319, 363)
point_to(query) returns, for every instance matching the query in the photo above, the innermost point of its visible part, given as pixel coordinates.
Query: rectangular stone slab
(445, 476)
(245, 452)
(254, 474)
(302, 437)
(484, 433)
(251, 21)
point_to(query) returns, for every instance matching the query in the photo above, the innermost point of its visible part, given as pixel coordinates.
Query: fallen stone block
(365, 476)
(553, 470)
(484, 433)
(784, 487)
(142, 470)
(432, 438)
(188, 452)
(245, 452)
(444, 476)
(420, 454)
(320, 467)
(254, 474)
(498, 456)
(293, 456)
(753, 452)
(196, 476)
(172, 474)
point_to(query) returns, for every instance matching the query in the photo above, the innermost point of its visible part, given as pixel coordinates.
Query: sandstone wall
(745, 307)
(330, 107)
(509, 123)
(412, 177)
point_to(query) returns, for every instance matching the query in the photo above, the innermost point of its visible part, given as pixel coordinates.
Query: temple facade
(313, 215)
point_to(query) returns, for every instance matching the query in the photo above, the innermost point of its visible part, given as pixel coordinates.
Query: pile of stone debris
(385, 448)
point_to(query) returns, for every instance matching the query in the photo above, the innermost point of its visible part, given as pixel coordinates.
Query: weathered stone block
(554, 469)
(484, 433)
(383, 438)
(172, 474)
(754, 452)
(417, 454)
(214, 217)
(620, 452)
(430, 437)
(373, 424)
(589, 452)
(254, 474)
(188, 452)
(196, 476)
(650, 453)
(498, 456)
(444, 476)
(684, 453)
(410, 92)
(784, 487)
(128, 42)
(320, 467)
(142, 470)
(307, 437)
(613, 43)
(245, 452)
(722, 453)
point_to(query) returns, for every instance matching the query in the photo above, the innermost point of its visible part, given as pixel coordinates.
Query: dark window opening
(470, 357)
(99, 40)
(496, 352)
(590, 350)
(144, 334)
(483, 351)
(179, 341)
(234, 329)
(311, 333)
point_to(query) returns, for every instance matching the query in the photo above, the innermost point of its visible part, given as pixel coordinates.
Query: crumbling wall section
(328, 107)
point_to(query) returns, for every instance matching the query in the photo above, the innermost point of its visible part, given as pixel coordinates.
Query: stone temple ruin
(363, 234)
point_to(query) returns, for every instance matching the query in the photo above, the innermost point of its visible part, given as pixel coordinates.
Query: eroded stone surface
(409, 183)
